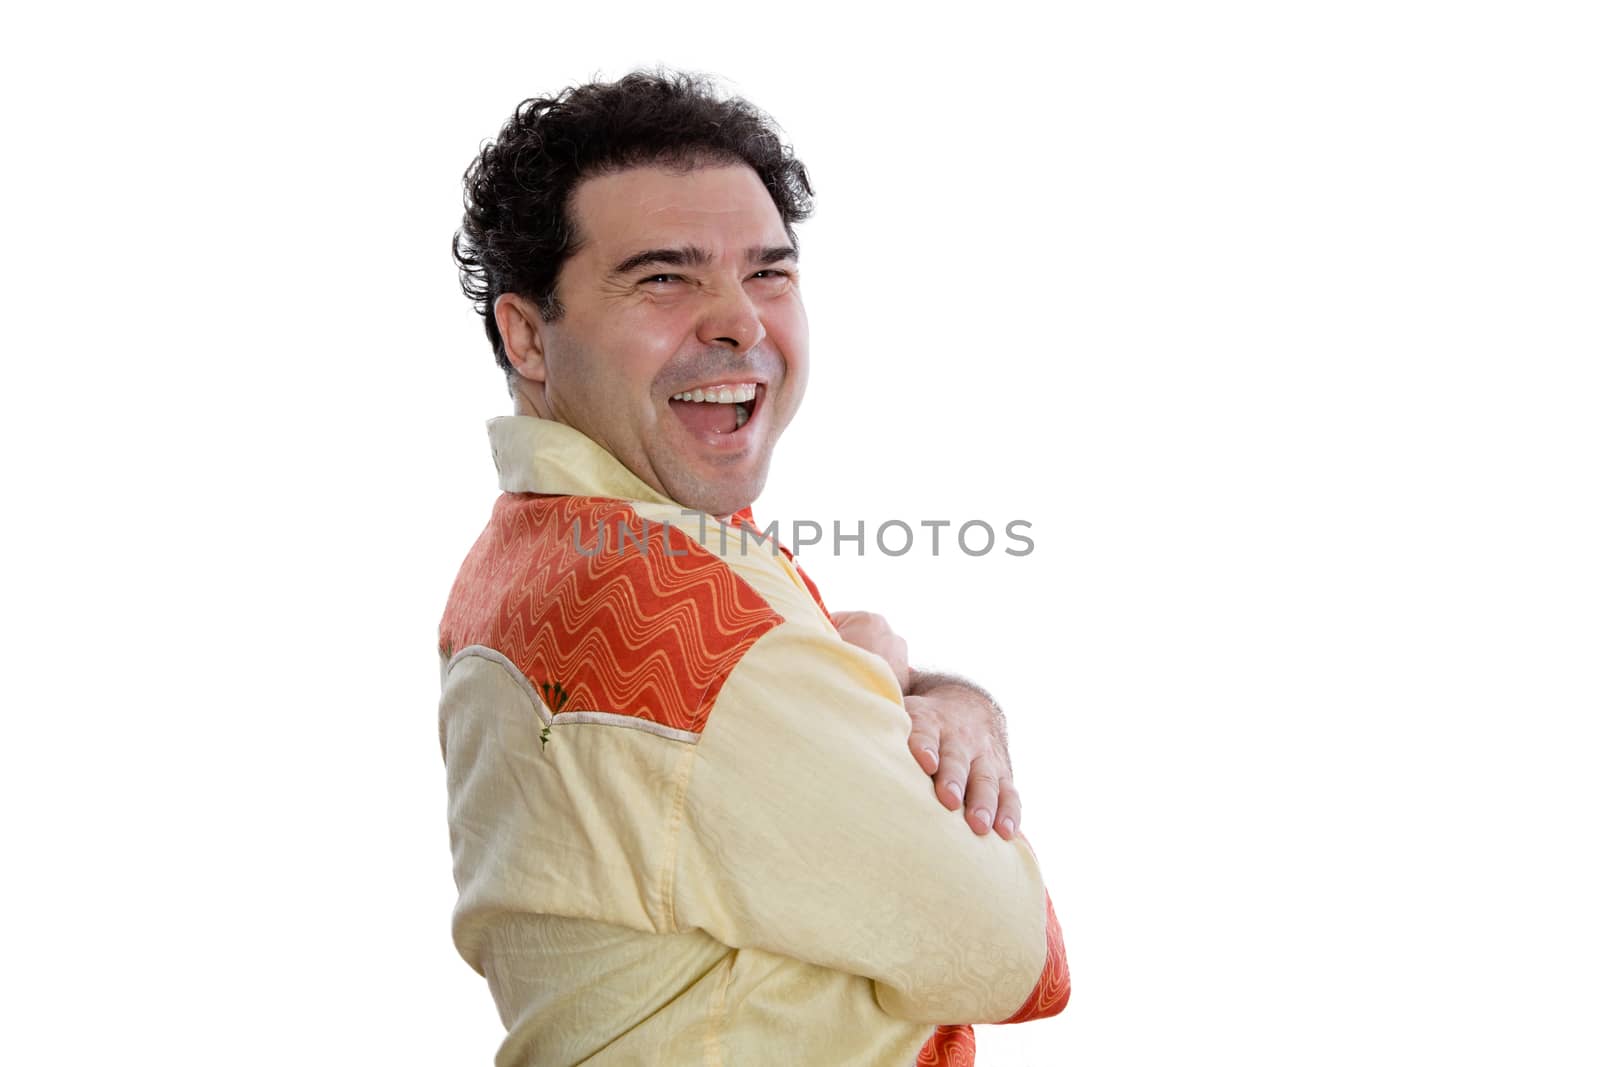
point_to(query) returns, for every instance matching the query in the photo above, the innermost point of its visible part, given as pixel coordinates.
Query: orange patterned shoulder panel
(597, 622)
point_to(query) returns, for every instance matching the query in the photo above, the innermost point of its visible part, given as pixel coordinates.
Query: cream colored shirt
(685, 823)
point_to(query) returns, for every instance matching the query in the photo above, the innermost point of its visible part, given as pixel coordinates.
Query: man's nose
(733, 320)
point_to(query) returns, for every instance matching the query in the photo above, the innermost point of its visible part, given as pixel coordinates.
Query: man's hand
(958, 735)
(872, 633)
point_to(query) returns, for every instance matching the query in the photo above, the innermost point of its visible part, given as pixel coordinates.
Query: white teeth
(720, 394)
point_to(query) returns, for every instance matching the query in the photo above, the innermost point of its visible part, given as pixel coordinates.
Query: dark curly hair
(517, 232)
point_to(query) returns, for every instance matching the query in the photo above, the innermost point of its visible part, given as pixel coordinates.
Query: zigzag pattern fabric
(950, 1046)
(647, 632)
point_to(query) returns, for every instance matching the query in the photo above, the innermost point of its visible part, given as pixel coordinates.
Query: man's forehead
(716, 208)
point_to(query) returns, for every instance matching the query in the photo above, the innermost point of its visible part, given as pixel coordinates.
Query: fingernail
(1009, 825)
(930, 753)
(983, 818)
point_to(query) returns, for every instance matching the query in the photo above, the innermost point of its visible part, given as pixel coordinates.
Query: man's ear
(522, 333)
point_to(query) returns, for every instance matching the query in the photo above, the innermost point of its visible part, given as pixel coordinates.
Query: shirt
(685, 824)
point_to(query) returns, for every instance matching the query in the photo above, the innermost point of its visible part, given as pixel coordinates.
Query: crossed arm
(958, 732)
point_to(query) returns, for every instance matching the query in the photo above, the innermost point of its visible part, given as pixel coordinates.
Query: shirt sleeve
(810, 831)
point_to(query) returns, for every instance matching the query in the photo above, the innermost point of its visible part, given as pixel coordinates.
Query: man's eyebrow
(774, 254)
(692, 256)
(687, 256)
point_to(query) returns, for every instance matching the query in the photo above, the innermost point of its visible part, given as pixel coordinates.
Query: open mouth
(717, 413)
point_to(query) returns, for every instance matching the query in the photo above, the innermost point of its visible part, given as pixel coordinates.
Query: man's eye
(765, 274)
(656, 279)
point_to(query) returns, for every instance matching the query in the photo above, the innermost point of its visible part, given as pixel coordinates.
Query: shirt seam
(666, 878)
(592, 716)
(760, 629)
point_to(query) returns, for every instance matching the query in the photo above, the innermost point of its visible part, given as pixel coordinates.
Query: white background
(1277, 321)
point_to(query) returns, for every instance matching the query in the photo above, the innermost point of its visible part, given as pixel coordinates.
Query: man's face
(684, 284)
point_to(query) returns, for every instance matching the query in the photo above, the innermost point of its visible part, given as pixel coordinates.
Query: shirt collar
(536, 455)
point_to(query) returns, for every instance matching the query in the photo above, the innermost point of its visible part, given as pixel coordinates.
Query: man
(685, 823)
